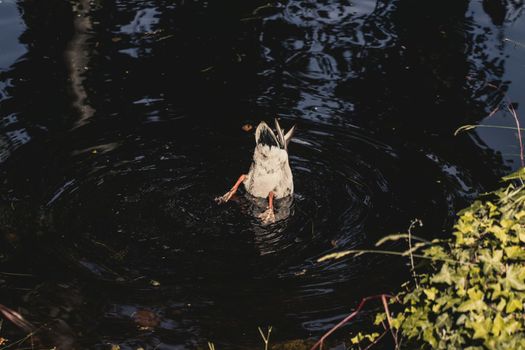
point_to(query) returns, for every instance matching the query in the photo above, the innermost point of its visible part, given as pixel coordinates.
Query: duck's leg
(268, 216)
(226, 197)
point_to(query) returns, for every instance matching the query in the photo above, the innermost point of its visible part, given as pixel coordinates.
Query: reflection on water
(77, 58)
(11, 135)
(122, 122)
(312, 61)
(10, 29)
(12, 140)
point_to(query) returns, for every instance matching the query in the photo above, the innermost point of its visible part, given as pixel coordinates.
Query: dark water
(121, 121)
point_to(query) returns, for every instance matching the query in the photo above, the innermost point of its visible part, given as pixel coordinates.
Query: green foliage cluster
(475, 297)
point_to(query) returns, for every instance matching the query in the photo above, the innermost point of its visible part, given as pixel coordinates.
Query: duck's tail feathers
(288, 136)
(280, 133)
(284, 139)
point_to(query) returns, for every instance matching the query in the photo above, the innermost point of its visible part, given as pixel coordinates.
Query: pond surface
(121, 121)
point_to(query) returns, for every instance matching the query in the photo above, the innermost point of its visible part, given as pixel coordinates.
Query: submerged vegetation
(474, 294)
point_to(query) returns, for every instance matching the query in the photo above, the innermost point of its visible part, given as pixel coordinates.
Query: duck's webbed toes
(230, 193)
(268, 216)
(224, 198)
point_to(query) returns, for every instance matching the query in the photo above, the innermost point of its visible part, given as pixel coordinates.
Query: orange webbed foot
(228, 195)
(267, 217)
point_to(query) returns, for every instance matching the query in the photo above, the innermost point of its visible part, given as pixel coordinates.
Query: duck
(270, 176)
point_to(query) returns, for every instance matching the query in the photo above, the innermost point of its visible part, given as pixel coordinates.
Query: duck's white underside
(269, 172)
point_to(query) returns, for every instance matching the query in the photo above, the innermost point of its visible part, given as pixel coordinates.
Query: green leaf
(443, 276)
(475, 294)
(497, 325)
(380, 318)
(461, 319)
(515, 252)
(481, 328)
(519, 215)
(371, 337)
(430, 293)
(501, 305)
(491, 260)
(436, 252)
(521, 235)
(493, 209)
(512, 326)
(429, 337)
(471, 305)
(507, 223)
(519, 174)
(515, 277)
(356, 339)
(513, 305)
(499, 232)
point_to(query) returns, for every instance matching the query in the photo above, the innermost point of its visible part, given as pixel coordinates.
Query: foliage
(474, 298)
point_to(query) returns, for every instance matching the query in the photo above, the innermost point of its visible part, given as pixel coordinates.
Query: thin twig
(376, 340)
(254, 12)
(412, 266)
(16, 318)
(517, 121)
(21, 341)
(339, 255)
(493, 111)
(15, 274)
(319, 344)
(389, 319)
(510, 107)
(474, 126)
(512, 111)
(398, 236)
(266, 338)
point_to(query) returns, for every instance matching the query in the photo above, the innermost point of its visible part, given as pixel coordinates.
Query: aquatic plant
(474, 293)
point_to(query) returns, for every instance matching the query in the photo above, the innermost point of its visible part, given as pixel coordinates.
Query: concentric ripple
(143, 209)
(133, 215)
